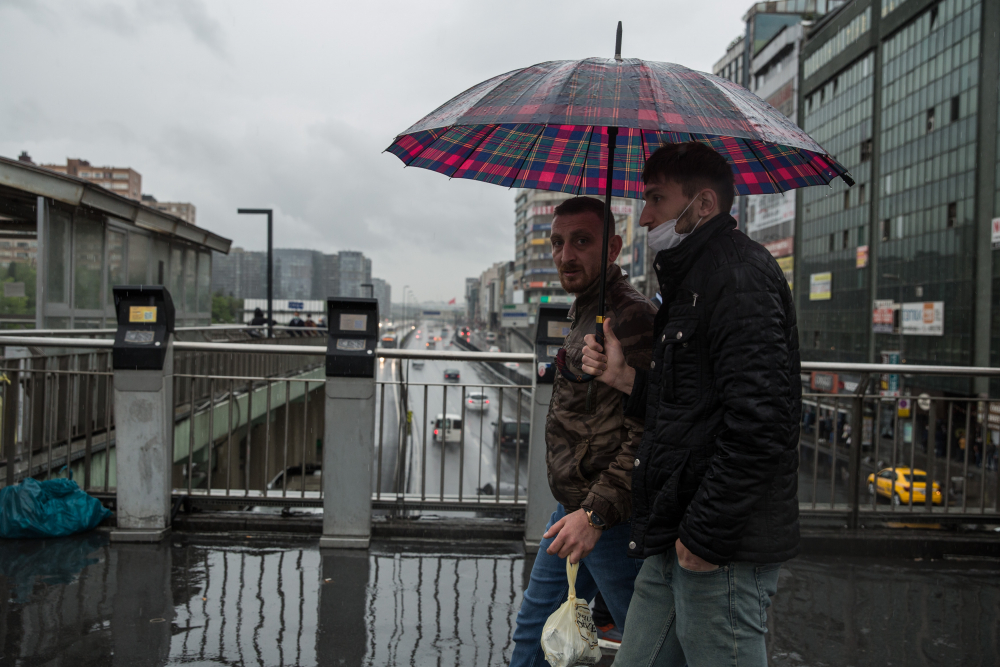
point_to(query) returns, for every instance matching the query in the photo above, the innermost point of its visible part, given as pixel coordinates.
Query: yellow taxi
(899, 483)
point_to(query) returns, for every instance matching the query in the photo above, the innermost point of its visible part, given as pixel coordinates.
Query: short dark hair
(582, 205)
(694, 166)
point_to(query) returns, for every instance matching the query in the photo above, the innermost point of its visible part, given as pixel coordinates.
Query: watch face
(596, 519)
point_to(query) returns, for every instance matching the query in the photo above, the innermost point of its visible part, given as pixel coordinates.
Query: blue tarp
(53, 508)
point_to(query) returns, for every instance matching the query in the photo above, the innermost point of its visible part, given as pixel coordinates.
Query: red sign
(539, 284)
(781, 247)
(827, 382)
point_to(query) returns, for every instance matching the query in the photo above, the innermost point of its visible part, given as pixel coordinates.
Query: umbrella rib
(769, 177)
(527, 154)
(474, 149)
(583, 168)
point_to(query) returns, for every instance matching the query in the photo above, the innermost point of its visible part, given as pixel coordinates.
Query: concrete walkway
(256, 600)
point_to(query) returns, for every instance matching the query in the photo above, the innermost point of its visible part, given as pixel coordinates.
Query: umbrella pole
(609, 221)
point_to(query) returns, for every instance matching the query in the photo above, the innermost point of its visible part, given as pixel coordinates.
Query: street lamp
(270, 262)
(405, 287)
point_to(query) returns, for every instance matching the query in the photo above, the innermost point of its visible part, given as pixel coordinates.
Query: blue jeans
(700, 619)
(607, 568)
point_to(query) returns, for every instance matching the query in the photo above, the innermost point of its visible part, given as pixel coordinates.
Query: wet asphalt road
(469, 458)
(80, 601)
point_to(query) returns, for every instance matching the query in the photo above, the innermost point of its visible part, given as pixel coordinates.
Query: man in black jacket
(715, 510)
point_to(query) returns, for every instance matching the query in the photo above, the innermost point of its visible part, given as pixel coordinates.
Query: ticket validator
(349, 436)
(143, 363)
(551, 328)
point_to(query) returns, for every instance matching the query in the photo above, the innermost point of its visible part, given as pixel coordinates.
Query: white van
(448, 431)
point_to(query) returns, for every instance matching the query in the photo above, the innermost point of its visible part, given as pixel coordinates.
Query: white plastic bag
(569, 636)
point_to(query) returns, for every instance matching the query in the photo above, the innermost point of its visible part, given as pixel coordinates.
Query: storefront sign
(882, 315)
(923, 318)
(890, 385)
(765, 211)
(820, 286)
(617, 209)
(861, 257)
(781, 247)
(995, 235)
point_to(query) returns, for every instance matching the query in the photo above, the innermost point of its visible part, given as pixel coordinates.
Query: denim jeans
(607, 568)
(700, 619)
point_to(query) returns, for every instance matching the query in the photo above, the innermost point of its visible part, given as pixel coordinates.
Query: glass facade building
(895, 91)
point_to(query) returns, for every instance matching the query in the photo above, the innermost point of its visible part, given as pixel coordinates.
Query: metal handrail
(389, 353)
(304, 350)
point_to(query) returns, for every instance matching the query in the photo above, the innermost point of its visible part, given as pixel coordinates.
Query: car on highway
(388, 341)
(431, 345)
(899, 484)
(447, 428)
(491, 337)
(507, 436)
(452, 375)
(417, 364)
(477, 402)
(493, 348)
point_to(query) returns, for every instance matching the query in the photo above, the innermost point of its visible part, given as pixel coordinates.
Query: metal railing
(249, 423)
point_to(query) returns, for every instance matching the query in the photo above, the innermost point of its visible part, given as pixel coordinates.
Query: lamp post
(405, 287)
(270, 262)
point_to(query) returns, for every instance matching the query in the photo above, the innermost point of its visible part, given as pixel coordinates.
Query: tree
(226, 309)
(19, 272)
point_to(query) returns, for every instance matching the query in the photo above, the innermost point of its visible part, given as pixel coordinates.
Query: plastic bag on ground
(569, 636)
(53, 508)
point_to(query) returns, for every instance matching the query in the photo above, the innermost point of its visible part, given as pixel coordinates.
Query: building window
(884, 229)
(846, 239)
(847, 199)
(861, 193)
(866, 150)
(930, 120)
(954, 109)
(952, 214)
(833, 242)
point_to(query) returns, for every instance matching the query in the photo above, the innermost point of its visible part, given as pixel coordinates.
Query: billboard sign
(514, 318)
(781, 247)
(882, 315)
(861, 257)
(820, 286)
(764, 211)
(923, 318)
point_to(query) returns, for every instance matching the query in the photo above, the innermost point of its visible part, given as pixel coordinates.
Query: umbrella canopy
(546, 127)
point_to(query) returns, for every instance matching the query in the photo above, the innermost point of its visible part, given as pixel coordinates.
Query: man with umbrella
(589, 442)
(715, 511)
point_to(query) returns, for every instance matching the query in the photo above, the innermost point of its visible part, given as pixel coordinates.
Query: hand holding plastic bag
(569, 636)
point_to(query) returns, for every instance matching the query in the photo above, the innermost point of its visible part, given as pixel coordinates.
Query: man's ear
(708, 203)
(614, 248)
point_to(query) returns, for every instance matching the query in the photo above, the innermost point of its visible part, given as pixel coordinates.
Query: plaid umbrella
(546, 127)
(559, 125)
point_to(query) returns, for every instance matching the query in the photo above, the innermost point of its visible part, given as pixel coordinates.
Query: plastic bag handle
(571, 570)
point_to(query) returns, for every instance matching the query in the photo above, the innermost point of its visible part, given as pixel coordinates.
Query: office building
(353, 271)
(770, 46)
(382, 291)
(183, 210)
(123, 181)
(471, 299)
(904, 93)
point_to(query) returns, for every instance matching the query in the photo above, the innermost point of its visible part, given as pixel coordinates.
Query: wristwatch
(595, 520)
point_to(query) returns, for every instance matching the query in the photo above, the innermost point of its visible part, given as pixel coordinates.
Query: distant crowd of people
(313, 328)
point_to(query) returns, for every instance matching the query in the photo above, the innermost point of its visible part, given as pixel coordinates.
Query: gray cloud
(290, 105)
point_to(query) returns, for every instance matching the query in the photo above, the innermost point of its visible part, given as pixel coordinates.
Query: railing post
(143, 361)
(349, 436)
(550, 332)
(857, 438)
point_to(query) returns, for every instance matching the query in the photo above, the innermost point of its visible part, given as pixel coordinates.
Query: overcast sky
(290, 104)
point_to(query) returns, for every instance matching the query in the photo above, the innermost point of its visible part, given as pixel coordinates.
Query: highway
(470, 461)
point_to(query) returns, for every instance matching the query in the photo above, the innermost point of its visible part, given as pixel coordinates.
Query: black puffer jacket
(718, 462)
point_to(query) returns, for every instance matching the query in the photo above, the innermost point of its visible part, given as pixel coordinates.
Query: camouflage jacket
(590, 444)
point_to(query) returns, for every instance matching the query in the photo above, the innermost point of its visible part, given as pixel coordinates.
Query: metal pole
(270, 262)
(609, 220)
(270, 274)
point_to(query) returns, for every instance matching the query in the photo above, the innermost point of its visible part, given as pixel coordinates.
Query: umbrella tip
(618, 43)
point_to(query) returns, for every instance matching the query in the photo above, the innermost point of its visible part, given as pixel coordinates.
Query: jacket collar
(587, 299)
(673, 264)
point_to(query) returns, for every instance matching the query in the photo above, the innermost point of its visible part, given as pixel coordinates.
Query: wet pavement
(207, 600)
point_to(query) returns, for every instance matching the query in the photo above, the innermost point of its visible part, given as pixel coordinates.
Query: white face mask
(665, 236)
